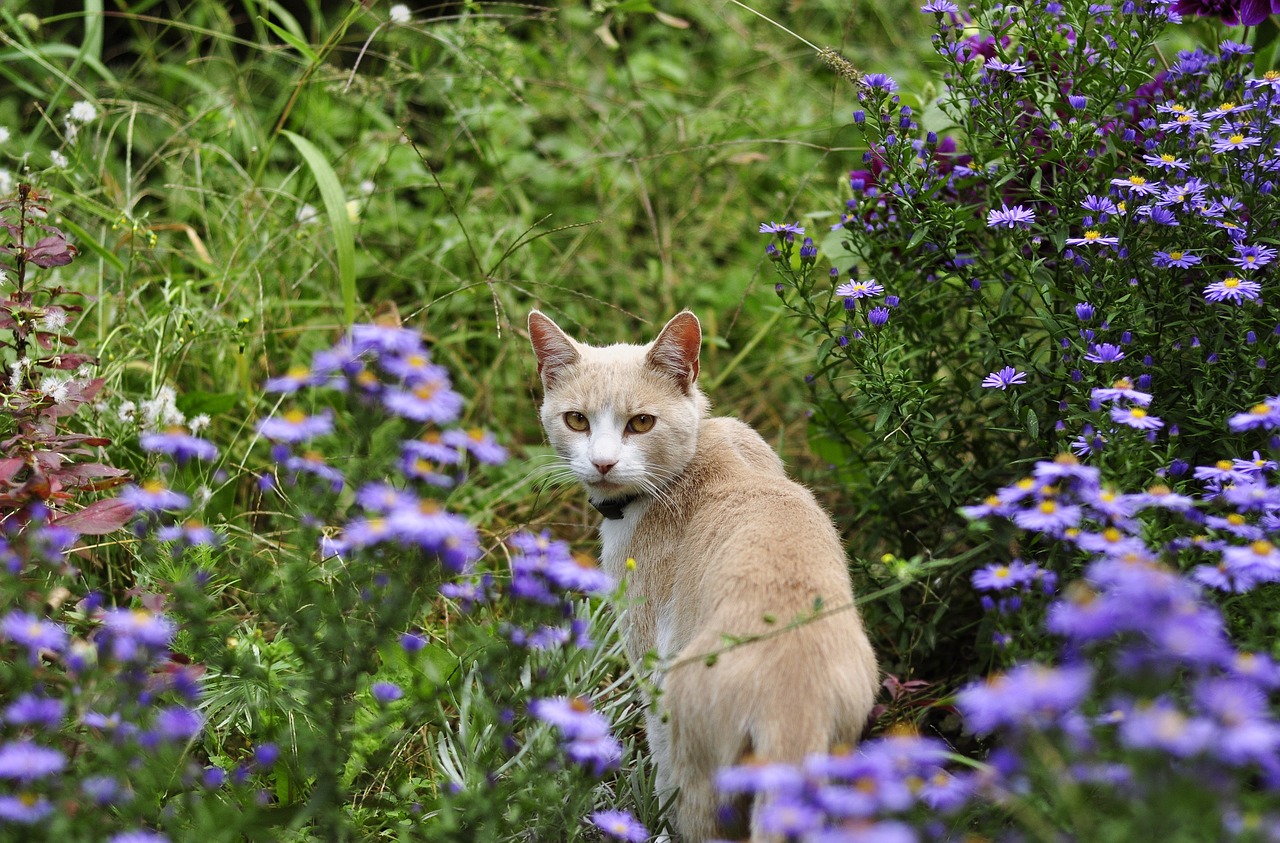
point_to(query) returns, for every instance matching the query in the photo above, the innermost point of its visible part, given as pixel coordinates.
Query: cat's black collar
(613, 509)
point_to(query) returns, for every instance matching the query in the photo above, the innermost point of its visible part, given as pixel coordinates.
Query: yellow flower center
(1048, 507)
(1167, 158)
(1138, 413)
(1112, 535)
(1235, 140)
(1183, 118)
(1223, 465)
(1235, 519)
(1091, 234)
(1175, 256)
(425, 390)
(1262, 548)
(1226, 106)
(1137, 181)
(1231, 283)
(1122, 383)
(1259, 410)
(295, 416)
(153, 486)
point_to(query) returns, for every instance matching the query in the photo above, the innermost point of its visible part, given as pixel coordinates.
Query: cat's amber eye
(642, 423)
(576, 421)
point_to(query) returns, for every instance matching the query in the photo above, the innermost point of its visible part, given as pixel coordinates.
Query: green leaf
(84, 238)
(335, 204)
(210, 403)
(292, 40)
(1033, 423)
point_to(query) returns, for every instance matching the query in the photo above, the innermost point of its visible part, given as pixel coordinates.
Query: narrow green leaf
(335, 204)
(292, 40)
(85, 239)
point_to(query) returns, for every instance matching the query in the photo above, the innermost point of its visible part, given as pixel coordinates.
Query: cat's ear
(552, 347)
(675, 351)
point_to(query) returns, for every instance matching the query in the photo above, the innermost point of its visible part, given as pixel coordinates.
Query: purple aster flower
(1104, 353)
(1179, 259)
(382, 339)
(103, 790)
(179, 444)
(1161, 725)
(1234, 142)
(759, 777)
(1048, 516)
(177, 724)
(414, 367)
(1031, 696)
(1085, 311)
(138, 836)
(1166, 161)
(1135, 417)
(597, 753)
(265, 755)
(1252, 257)
(1121, 390)
(313, 463)
(1233, 289)
(25, 761)
(792, 228)
(789, 816)
(878, 316)
(1265, 415)
(578, 573)
(1077, 102)
(1003, 379)
(154, 496)
(35, 710)
(1136, 185)
(860, 289)
(999, 577)
(33, 633)
(427, 401)
(1016, 217)
(437, 531)
(879, 82)
(620, 825)
(131, 633)
(1014, 68)
(296, 426)
(1100, 205)
(479, 443)
(386, 692)
(291, 381)
(25, 808)
(1093, 237)
(574, 716)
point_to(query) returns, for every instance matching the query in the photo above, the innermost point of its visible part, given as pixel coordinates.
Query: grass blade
(335, 205)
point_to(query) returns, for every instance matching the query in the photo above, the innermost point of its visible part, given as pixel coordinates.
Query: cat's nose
(604, 466)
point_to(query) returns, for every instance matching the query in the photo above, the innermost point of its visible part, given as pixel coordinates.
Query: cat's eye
(576, 421)
(642, 423)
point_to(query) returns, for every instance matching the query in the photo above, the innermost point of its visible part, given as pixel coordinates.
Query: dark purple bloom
(386, 692)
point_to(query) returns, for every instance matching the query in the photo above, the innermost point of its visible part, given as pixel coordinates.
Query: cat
(717, 547)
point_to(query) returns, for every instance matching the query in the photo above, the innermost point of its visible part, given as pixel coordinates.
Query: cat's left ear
(675, 351)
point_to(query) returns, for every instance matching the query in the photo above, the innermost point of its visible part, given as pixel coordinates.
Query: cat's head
(624, 418)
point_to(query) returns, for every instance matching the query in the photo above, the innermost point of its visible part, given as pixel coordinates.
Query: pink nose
(603, 467)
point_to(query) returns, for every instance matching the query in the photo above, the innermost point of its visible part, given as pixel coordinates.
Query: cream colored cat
(725, 547)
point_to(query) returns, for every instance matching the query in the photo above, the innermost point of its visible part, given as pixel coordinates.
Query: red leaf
(10, 466)
(99, 517)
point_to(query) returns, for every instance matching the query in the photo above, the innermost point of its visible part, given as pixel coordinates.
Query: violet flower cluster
(389, 371)
(1150, 698)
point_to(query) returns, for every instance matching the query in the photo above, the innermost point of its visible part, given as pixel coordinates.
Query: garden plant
(284, 557)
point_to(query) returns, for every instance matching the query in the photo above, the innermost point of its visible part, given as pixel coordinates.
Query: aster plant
(1075, 212)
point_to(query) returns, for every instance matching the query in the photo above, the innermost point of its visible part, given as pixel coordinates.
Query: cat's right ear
(552, 347)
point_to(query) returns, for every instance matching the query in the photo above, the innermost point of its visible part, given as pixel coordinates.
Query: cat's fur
(725, 547)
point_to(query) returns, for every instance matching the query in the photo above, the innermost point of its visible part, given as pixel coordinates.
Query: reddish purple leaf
(98, 518)
(53, 250)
